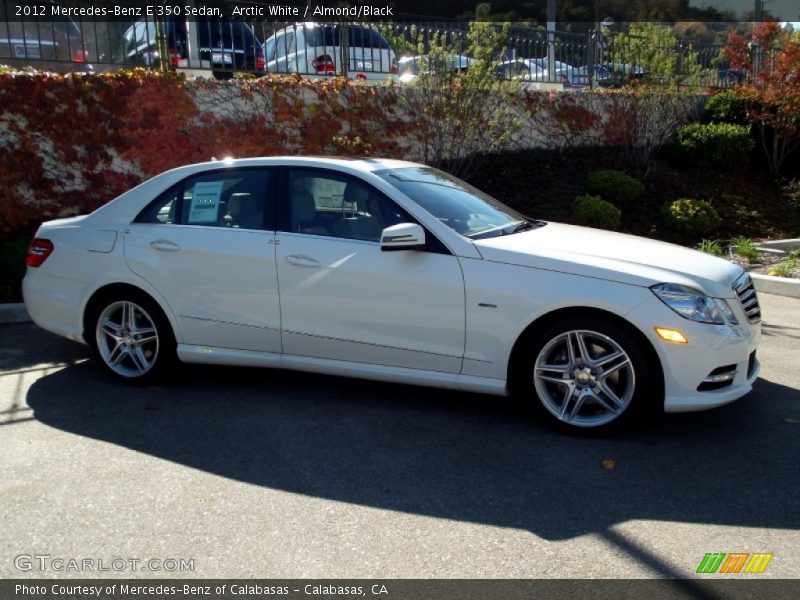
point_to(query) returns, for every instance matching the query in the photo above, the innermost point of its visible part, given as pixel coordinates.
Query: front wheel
(132, 338)
(588, 375)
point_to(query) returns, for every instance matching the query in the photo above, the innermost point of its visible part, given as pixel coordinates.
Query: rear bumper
(55, 303)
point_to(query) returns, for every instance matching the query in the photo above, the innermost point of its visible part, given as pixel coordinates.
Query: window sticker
(205, 202)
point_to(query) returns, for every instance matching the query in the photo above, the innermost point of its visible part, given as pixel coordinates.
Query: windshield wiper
(522, 226)
(501, 230)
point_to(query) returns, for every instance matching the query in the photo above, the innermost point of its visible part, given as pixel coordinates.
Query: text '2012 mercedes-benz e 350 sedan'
(393, 271)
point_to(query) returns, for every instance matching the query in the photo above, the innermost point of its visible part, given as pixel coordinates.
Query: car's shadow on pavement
(453, 455)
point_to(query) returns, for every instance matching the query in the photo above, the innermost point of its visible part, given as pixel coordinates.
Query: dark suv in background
(223, 46)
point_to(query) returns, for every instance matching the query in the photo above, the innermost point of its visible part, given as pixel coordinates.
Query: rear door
(207, 245)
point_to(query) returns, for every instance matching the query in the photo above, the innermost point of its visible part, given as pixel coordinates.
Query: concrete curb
(781, 286)
(782, 245)
(13, 313)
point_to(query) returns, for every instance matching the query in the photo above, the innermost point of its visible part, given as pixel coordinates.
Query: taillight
(361, 76)
(261, 64)
(174, 57)
(38, 252)
(80, 56)
(393, 68)
(324, 64)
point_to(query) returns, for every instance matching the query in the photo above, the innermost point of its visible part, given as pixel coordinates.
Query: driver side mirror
(403, 236)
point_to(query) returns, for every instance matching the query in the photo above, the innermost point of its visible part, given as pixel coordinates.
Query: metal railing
(370, 51)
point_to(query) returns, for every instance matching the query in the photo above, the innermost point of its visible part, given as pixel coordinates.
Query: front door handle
(164, 245)
(302, 261)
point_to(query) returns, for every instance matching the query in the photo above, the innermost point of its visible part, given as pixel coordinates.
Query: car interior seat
(244, 211)
(304, 210)
(359, 214)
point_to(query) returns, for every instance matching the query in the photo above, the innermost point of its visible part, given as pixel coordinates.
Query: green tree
(650, 52)
(462, 110)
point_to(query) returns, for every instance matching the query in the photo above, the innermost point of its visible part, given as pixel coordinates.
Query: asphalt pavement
(234, 472)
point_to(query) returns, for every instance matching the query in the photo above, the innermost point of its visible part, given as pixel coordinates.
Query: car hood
(612, 256)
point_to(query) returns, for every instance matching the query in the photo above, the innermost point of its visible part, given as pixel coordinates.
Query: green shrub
(744, 247)
(596, 212)
(691, 217)
(726, 107)
(713, 247)
(615, 186)
(720, 145)
(787, 267)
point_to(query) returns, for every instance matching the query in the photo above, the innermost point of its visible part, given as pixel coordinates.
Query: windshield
(457, 204)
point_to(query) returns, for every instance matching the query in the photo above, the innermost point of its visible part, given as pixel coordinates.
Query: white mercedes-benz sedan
(393, 271)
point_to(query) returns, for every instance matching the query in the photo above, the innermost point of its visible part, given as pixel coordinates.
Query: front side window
(336, 205)
(457, 204)
(234, 199)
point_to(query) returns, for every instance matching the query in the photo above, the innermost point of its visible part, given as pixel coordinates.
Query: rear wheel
(131, 337)
(588, 374)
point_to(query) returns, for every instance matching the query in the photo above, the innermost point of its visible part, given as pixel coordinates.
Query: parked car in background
(49, 45)
(316, 49)
(579, 77)
(411, 66)
(622, 73)
(525, 69)
(394, 271)
(223, 46)
(537, 70)
(731, 77)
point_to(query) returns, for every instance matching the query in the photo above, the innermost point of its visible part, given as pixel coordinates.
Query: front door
(343, 298)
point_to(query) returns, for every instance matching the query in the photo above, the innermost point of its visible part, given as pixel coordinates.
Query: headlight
(690, 303)
(726, 311)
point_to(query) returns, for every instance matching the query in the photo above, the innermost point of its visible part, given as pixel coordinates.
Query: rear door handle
(302, 261)
(164, 245)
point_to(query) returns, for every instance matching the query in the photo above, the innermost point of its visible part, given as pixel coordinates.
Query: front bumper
(710, 347)
(741, 385)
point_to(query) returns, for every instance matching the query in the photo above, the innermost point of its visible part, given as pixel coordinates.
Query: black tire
(158, 356)
(637, 369)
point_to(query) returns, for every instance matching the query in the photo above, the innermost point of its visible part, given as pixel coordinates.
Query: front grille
(746, 292)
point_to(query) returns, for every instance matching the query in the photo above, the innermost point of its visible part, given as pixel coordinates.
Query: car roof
(364, 164)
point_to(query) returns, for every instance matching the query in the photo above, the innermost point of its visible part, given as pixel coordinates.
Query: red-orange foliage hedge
(69, 143)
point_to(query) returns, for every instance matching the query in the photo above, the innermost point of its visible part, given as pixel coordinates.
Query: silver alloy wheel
(127, 339)
(584, 378)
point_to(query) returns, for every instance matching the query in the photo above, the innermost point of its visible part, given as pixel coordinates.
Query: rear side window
(231, 34)
(360, 37)
(322, 36)
(238, 199)
(365, 37)
(163, 209)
